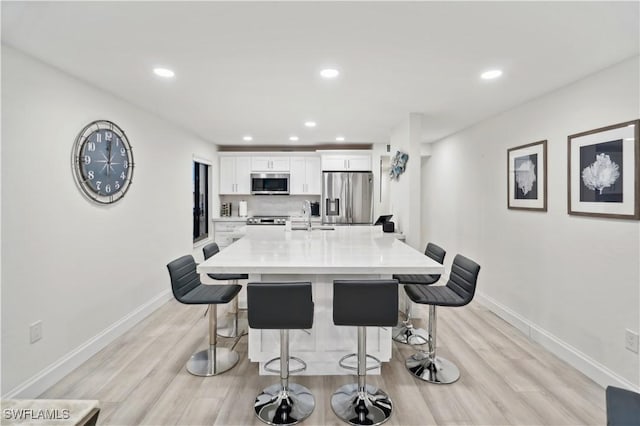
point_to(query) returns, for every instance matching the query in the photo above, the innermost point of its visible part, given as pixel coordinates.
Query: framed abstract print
(527, 177)
(603, 172)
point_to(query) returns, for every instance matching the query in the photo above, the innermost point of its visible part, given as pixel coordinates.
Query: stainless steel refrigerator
(347, 198)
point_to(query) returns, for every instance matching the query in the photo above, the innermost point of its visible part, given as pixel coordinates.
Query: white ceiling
(252, 68)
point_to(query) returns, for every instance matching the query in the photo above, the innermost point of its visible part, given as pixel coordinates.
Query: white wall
(77, 266)
(572, 282)
(404, 202)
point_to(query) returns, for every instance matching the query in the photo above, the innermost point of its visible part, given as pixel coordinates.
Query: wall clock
(103, 162)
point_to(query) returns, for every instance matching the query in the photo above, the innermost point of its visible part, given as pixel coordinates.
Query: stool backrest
(367, 303)
(184, 277)
(209, 250)
(280, 305)
(436, 253)
(463, 277)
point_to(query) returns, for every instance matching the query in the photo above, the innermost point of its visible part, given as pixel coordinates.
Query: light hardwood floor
(141, 379)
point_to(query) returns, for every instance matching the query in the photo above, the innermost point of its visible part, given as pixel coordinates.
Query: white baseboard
(50, 375)
(579, 360)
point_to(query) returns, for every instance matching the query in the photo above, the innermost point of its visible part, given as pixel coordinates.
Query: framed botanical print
(527, 177)
(604, 172)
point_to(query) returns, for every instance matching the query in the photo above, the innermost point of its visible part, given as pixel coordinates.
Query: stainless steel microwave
(270, 183)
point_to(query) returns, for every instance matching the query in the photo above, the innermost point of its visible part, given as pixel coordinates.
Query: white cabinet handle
(348, 164)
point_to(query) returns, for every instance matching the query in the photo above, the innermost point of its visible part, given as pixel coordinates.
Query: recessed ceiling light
(164, 72)
(339, 138)
(329, 73)
(247, 138)
(293, 138)
(491, 74)
(310, 123)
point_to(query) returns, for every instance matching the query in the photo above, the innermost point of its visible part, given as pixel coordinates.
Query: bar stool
(187, 289)
(623, 407)
(458, 291)
(239, 326)
(363, 303)
(282, 306)
(405, 332)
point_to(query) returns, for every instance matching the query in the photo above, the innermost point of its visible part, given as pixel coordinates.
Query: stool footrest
(277, 370)
(342, 364)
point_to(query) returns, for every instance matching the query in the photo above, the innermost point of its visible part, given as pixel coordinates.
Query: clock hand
(109, 158)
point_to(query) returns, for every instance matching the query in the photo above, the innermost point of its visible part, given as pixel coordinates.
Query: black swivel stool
(363, 303)
(459, 291)
(406, 332)
(238, 327)
(187, 289)
(284, 307)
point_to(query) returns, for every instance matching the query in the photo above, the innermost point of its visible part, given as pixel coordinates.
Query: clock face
(103, 162)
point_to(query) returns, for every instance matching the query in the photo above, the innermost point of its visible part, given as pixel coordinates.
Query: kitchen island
(319, 256)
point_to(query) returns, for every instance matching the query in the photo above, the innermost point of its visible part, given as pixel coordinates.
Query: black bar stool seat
(187, 289)
(417, 278)
(282, 306)
(434, 295)
(363, 303)
(228, 277)
(238, 325)
(208, 294)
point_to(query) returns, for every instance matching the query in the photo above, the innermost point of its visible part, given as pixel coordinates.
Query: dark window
(200, 201)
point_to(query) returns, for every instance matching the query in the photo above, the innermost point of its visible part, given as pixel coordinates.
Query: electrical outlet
(35, 331)
(631, 340)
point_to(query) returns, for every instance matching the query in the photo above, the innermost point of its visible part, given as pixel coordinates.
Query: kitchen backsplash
(268, 205)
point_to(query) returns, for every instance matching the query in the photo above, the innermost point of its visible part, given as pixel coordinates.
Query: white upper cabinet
(346, 162)
(305, 176)
(235, 175)
(270, 164)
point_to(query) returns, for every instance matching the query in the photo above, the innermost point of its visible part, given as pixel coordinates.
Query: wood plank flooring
(141, 379)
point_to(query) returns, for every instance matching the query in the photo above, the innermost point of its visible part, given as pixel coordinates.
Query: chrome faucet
(306, 208)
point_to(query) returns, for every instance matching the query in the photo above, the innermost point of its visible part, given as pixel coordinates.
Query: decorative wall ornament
(527, 177)
(102, 162)
(604, 172)
(398, 164)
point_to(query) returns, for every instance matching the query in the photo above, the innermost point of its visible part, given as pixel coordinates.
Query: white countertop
(345, 250)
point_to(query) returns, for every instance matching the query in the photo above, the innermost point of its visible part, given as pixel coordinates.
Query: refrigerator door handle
(348, 201)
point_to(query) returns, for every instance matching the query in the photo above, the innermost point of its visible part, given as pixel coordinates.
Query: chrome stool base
(229, 329)
(438, 370)
(357, 407)
(201, 363)
(278, 406)
(408, 335)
